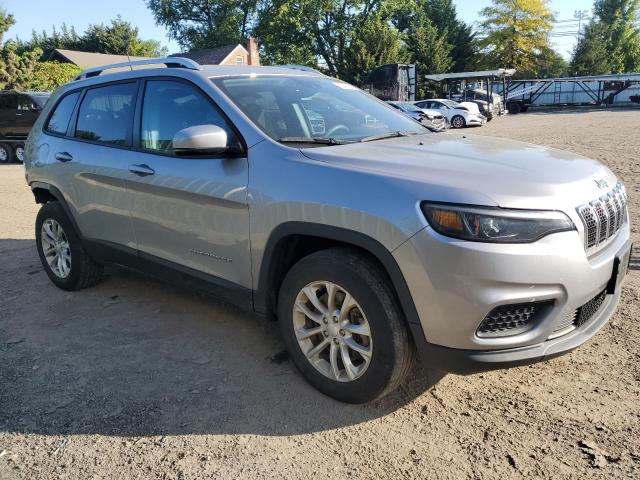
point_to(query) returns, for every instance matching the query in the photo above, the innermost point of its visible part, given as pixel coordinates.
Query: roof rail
(172, 62)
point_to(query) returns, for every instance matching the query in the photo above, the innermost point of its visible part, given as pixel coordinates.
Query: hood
(448, 166)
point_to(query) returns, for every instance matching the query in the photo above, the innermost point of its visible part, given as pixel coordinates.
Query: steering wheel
(337, 128)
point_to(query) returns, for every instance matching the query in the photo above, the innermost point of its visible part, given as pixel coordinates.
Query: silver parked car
(432, 119)
(368, 237)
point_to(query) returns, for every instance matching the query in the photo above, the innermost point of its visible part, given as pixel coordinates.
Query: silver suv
(302, 198)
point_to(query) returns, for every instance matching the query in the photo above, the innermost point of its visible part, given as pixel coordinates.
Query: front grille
(589, 309)
(603, 217)
(512, 319)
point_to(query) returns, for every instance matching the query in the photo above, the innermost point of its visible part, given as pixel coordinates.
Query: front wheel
(19, 152)
(342, 326)
(458, 122)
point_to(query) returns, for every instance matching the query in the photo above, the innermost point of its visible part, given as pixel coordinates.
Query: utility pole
(580, 15)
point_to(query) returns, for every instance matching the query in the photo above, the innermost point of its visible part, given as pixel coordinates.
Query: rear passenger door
(93, 158)
(189, 211)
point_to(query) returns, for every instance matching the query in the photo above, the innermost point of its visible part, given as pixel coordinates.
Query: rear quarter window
(61, 116)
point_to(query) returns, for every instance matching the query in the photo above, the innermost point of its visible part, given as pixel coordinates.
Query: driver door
(188, 212)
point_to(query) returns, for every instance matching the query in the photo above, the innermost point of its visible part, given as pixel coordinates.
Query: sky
(44, 14)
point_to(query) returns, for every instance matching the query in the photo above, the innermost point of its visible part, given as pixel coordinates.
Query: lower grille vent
(513, 319)
(589, 309)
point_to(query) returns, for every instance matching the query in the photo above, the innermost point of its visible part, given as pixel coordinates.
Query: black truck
(18, 113)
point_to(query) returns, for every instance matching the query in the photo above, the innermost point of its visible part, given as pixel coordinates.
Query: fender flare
(343, 235)
(57, 194)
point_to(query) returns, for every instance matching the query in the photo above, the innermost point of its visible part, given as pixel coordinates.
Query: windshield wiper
(373, 138)
(316, 140)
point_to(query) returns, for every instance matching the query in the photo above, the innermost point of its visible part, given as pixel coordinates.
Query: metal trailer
(469, 82)
(622, 89)
(392, 82)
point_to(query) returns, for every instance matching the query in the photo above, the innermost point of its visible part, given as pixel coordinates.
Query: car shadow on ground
(134, 356)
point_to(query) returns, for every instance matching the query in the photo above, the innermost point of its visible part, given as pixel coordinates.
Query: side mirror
(200, 140)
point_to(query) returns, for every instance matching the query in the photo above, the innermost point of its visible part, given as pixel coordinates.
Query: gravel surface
(137, 379)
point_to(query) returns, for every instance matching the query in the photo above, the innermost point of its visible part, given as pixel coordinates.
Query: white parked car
(459, 116)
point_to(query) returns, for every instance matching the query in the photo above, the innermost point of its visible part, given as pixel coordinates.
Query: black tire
(6, 153)
(84, 271)
(392, 348)
(458, 122)
(514, 108)
(18, 152)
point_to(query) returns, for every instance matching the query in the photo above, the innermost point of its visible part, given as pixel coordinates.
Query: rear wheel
(19, 152)
(342, 326)
(6, 153)
(458, 122)
(61, 252)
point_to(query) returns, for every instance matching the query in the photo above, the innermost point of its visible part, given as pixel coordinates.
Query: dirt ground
(138, 379)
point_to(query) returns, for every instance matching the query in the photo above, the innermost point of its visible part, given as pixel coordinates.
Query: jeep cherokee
(303, 198)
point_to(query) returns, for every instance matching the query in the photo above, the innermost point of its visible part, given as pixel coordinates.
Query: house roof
(91, 60)
(210, 56)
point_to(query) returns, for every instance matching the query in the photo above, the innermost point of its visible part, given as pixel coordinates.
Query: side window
(169, 107)
(25, 103)
(106, 114)
(59, 120)
(8, 101)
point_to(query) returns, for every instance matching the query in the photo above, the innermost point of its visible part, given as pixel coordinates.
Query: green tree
(516, 33)
(64, 38)
(323, 32)
(459, 35)
(430, 51)
(118, 38)
(442, 15)
(204, 23)
(591, 53)
(16, 67)
(611, 42)
(47, 76)
(373, 43)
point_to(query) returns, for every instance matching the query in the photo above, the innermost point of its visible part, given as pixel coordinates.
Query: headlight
(494, 225)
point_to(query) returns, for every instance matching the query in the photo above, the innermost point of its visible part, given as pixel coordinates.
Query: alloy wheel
(332, 331)
(4, 155)
(55, 247)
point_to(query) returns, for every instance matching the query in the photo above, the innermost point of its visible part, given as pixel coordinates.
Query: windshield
(307, 108)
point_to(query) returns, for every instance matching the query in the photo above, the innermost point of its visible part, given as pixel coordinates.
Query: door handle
(143, 170)
(64, 157)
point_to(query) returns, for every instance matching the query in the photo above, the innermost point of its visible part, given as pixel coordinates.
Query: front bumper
(476, 121)
(466, 362)
(455, 284)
